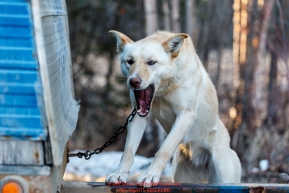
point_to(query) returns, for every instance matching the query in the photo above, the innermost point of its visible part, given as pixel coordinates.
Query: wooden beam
(25, 170)
(21, 152)
(89, 187)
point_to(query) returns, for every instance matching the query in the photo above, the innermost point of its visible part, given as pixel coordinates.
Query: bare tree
(191, 23)
(151, 16)
(268, 7)
(166, 15)
(176, 16)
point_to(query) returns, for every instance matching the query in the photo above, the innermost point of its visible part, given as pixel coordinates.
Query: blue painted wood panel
(20, 89)
(19, 82)
(16, 100)
(15, 32)
(16, 20)
(20, 111)
(15, 53)
(18, 76)
(17, 48)
(22, 133)
(21, 96)
(13, 1)
(19, 8)
(19, 121)
(18, 64)
(10, 42)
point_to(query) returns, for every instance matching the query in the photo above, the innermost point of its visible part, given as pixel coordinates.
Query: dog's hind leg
(185, 172)
(184, 169)
(225, 167)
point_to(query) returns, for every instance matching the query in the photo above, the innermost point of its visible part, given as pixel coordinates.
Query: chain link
(120, 130)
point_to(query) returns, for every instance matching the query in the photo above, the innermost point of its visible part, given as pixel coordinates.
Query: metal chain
(120, 130)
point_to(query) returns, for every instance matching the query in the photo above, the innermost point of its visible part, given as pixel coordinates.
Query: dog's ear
(121, 40)
(174, 44)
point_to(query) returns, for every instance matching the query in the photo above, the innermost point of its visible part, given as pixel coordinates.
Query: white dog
(166, 78)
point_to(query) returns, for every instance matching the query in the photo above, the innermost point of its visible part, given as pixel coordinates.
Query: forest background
(243, 44)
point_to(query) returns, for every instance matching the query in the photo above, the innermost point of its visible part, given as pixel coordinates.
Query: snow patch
(264, 164)
(107, 162)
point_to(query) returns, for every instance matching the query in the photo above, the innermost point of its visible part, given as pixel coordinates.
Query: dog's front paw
(117, 178)
(148, 179)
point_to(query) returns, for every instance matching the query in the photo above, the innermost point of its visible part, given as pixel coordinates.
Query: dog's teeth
(147, 111)
(139, 110)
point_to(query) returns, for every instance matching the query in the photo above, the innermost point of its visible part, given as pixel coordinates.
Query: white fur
(185, 104)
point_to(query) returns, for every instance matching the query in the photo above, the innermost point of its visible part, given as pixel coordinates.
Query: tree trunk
(272, 114)
(176, 16)
(191, 23)
(251, 59)
(264, 28)
(151, 16)
(244, 121)
(203, 44)
(220, 51)
(166, 15)
(261, 87)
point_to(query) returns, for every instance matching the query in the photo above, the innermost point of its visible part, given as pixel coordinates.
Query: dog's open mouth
(144, 99)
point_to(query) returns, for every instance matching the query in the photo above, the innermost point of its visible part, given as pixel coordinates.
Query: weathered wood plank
(87, 187)
(14, 53)
(21, 153)
(14, 121)
(16, 32)
(20, 111)
(19, 42)
(17, 88)
(18, 76)
(18, 100)
(83, 187)
(18, 64)
(21, 123)
(18, 8)
(52, 8)
(51, 33)
(25, 170)
(21, 20)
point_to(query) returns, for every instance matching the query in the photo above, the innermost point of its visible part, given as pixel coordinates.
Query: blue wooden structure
(38, 112)
(21, 97)
(36, 91)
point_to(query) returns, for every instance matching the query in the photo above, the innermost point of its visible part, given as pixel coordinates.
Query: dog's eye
(130, 61)
(151, 62)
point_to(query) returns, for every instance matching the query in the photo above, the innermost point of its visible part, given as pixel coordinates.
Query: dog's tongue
(143, 101)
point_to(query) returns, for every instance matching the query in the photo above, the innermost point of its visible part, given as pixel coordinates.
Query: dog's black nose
(135, 82)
